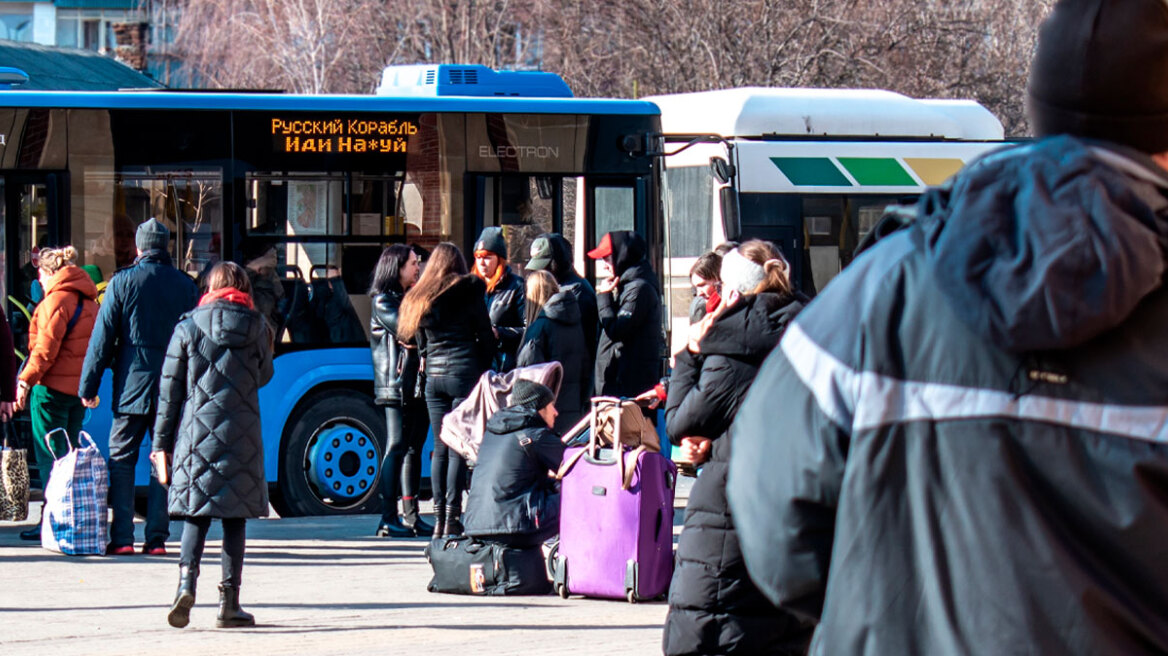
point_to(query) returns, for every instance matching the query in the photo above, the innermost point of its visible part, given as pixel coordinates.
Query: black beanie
(1101, 71)
(492, 241)
(531, 394)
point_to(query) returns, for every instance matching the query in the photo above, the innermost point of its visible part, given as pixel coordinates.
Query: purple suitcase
(616, 543)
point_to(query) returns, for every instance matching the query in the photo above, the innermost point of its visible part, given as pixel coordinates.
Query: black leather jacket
(395, 367)
(455, 335)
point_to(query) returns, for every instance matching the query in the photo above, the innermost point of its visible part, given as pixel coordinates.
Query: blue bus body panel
(295, 375)
(293, 103)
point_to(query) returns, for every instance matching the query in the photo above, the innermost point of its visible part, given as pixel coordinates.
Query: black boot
(391, 527)
(230, 614)
(184, 598)
(33, 533)
(439, 521)
(453, 521)
(412, 520)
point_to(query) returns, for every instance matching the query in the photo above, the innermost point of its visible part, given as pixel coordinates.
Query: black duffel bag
(464, 565)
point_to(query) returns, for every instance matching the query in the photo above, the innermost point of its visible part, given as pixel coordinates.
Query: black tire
(562, 590)
(343, 411)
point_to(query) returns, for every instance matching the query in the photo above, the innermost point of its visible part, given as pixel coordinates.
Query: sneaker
(156, 550)
(123, 550)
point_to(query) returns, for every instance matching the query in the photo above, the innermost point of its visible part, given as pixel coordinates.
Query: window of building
(89, 29)
(16, 27)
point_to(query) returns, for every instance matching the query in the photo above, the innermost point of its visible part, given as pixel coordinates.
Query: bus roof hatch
(469, 80)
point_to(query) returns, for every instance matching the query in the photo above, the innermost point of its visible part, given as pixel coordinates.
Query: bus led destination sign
(341, 135)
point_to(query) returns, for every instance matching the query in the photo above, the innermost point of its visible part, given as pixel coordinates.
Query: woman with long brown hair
(446, 314)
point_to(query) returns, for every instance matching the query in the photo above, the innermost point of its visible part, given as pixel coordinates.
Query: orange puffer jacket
(51, 363)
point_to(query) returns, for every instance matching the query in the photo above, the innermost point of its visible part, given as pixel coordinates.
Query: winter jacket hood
(509, 420)
(628, 249)
(561, 264)
(71, 279)
(562, 308)
(230, 325)
(1062, 248)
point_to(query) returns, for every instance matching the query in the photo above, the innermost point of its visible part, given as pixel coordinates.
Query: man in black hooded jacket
(960, 447)
(628, 357)
(553, 253)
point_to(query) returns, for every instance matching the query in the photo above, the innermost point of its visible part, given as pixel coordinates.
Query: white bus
(808, 169)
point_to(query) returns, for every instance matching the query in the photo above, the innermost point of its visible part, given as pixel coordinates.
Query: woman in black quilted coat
(219, 357)
(713, 606)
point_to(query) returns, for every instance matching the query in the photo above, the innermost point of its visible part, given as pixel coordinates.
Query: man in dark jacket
(505, 295)
(513, 500)
(142, 305)
(960, 446)
(628, 358)
(553, 253)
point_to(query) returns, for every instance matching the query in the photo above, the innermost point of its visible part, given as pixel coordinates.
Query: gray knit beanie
(532, 395)
(152, 235)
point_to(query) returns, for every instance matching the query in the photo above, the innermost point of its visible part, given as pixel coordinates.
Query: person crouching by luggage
(219, 357)
(57, 338)
(513, 499)
(714, 608)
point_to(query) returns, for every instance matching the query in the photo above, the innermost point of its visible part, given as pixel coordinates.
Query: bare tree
(977, 48)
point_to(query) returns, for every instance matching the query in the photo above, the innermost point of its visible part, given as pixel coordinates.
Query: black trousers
(447, 468)
(401, 470)
(125, 440)
(194, 538)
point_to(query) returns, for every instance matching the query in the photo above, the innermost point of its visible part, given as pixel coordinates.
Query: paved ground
(315, 585)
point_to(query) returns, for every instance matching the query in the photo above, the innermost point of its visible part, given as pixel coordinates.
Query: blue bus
(318, 185)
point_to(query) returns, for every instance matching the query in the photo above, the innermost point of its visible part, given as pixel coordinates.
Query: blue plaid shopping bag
(75, 518)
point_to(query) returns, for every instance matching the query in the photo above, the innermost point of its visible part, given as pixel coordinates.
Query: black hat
(492, 241)
(541, 254)
(152, 235)
(531, 394)
(1101, 71)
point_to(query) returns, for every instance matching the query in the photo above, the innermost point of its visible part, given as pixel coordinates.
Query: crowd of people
(957, 448)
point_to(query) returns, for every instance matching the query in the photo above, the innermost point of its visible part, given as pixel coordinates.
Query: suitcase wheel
(631, 595)
(562, 590)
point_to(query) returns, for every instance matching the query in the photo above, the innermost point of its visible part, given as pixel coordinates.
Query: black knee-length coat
(713, 606)
(209, 412)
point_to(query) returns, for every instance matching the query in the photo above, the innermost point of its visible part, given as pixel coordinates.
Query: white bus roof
(757, 112)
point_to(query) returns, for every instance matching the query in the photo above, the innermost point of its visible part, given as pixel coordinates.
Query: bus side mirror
(722, 170)
(731, 221)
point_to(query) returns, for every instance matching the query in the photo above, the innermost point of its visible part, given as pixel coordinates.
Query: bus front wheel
(331, 457)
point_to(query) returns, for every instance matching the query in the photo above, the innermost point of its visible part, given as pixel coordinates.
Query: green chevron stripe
(811, 172)
(878, 172)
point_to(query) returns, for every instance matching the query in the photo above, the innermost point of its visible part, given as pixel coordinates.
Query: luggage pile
(616, 509)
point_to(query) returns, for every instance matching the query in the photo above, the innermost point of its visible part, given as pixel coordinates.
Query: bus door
(35, 212)
(525, 206)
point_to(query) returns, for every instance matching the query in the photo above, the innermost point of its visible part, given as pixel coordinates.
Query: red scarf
(228, 294)
(712, 302)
